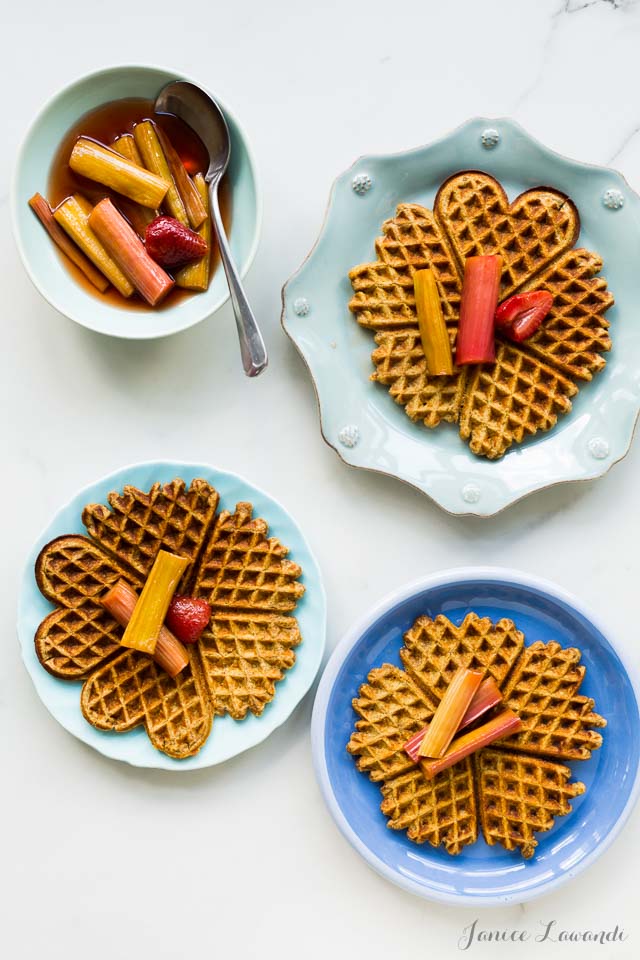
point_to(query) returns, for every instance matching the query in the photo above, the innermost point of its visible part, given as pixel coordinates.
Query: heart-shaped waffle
(521, 796)
(530, 384)
(244, 652)
(132, 690)
(73, 573)
(473, 211)
(137, 524)
(511, 790)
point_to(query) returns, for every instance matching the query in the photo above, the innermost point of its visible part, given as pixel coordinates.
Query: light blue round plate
(361, 421)
(481, 875)
(42, 261)
(228, 737)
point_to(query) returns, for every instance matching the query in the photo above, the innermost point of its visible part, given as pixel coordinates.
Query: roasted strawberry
(171, 244)
(520, 315)
(187, 617)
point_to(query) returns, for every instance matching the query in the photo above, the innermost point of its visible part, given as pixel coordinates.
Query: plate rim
(454, 576)
(158, 760)
(467, 508)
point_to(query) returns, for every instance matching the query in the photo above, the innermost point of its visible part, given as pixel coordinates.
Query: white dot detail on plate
(361, 184)
(301, 307)
(598, 448)
(349, 435)
(490, 138)
(613, 199)
(470, 493)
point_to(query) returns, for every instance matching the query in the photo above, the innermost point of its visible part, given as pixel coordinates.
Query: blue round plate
(361, 421)
(480, 875)
(228, 737)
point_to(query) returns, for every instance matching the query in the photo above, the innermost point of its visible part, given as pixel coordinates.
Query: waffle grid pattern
(530, 384)
(521, 796)
(245, 575)
(512, 790)
(136, 525)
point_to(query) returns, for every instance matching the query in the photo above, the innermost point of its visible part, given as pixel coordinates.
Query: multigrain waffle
(473, 211)
(391, 709)
(242, 568)
(531, 383)
(132, 690)
(170, 516)
(245, 576)
(383, 291)
(402, 366)
(511, 399)
(512, 792)
(521, 796)
(243, 655)
(435, 649)
(543, 690)
(73, 572)
(440, 811)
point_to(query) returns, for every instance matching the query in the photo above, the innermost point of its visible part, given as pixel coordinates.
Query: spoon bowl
(205, 118)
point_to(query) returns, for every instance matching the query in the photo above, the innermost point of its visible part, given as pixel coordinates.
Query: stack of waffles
(241, 572)
(510, 791)
(530, 384)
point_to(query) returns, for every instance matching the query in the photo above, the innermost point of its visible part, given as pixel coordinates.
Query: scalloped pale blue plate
(360, 420)
(481, 875)
(228, 737)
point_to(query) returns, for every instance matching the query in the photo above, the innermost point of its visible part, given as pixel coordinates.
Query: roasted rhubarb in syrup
(150, 168)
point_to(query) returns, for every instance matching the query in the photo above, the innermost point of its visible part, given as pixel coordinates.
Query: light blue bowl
(43, 263)
(228, 737)
(481, 875)
(360, 420)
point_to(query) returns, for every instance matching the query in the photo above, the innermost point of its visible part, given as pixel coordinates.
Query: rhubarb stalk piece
(433, 329)
(150, 148)
(501, 726)
(480, 290)
(44, 214)
(73, 216)
(97, 162)
(127, 249)
(195, 276)
(485, 698)
(451, 710)
(169, 653)
(138, 216)
(189, 193)
(146, 621)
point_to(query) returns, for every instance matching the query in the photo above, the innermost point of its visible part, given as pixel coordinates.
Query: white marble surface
(112, 863)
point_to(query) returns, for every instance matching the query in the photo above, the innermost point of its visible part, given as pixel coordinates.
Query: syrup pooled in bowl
(104, 125)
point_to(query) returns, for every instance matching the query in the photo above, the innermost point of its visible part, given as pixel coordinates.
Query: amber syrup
(105, 124)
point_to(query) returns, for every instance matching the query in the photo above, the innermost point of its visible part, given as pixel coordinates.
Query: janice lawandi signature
(550, 931)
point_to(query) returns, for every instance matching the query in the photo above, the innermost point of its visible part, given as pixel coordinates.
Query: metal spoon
(205, 117)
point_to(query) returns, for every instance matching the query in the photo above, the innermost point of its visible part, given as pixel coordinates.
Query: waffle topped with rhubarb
(516, 389)
(220, 647)
(465, 739)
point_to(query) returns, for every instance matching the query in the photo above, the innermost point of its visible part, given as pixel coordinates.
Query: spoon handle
(252, 348)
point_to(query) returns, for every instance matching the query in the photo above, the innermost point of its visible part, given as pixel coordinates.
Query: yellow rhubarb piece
(97, 162)
(451, 710)
(73, 216)
(501, 726)
(195, 276)
(433, 330)
(146, 621)
(154, 159)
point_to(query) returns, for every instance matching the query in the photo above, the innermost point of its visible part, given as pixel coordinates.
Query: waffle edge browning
(511, 790)
(530, 384)
(244, 652)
